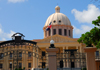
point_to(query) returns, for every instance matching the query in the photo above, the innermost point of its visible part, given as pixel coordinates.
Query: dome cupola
(60, 24)
(58, 18)
(57, 9)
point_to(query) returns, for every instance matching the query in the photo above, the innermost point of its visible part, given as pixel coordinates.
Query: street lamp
(52, 44)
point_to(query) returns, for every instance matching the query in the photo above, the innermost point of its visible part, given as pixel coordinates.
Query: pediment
(57, 39)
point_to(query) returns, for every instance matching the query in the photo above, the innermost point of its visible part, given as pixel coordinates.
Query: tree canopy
(93, 36)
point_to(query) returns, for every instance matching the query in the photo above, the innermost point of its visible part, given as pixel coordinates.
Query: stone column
(51, 31)
(57, 31)
(64, 56)
(77, 63)
(80, 64)
(72, 33)
(33, 58)
(37, 58)
(68, 32)
(44, 33)
(80, 49)
(77, 48)
(23, 63)
(90, 57)
(52, 64)
(63, 31)
(47, 33)
(67, 57)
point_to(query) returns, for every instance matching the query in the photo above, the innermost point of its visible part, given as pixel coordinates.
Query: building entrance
(72, 65)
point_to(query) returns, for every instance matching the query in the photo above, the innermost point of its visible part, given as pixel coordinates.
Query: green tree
(92, 37)
(20, 68)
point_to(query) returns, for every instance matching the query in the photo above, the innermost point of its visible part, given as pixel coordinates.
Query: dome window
(59, 21)
(54, 21)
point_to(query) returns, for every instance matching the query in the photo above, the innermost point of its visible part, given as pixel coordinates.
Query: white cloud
(81, 30)
(87, 16)
(15, 1)
(4, 35)
(3, 39)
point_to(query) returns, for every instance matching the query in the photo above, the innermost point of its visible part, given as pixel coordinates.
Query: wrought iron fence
(71, 60)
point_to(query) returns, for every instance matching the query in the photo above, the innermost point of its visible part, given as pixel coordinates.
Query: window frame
(54, 31)
(1, 66)
(20, 55)
(29, 65)
(20, 66)
(60, 31)
(10, 65)
(29, 54)
(65, 32)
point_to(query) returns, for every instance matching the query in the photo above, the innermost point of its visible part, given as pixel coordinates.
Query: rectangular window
(29, 65)
(1, 66)
(97, 53)
(1, 55)
(65, 32)
(20, 54)
(29, 54)
(10, 54)
(60, 32)
(20, 65)
(10, 66)
(72, 53)
(54, 31)
(69, 32)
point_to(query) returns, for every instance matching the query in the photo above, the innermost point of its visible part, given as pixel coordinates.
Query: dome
(57, 18)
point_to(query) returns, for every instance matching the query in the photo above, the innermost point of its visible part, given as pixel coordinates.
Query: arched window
(69, 32)
(60, 31)
(65, 32)
(54, 31)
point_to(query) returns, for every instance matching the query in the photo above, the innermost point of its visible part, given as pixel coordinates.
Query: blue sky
(29, 16)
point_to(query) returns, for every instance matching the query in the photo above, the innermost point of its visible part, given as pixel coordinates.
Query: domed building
(61, 32)
(60, 24)
(70, 54)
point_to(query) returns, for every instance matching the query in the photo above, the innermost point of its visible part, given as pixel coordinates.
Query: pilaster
(52, 65)
(64, 56)
(90, 57)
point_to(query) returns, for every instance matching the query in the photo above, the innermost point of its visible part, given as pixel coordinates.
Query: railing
(97, 57)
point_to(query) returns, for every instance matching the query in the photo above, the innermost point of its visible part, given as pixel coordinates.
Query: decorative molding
(57, 39)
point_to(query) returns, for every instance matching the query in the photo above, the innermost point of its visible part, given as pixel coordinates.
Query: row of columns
(46, 33)
(68, 65)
